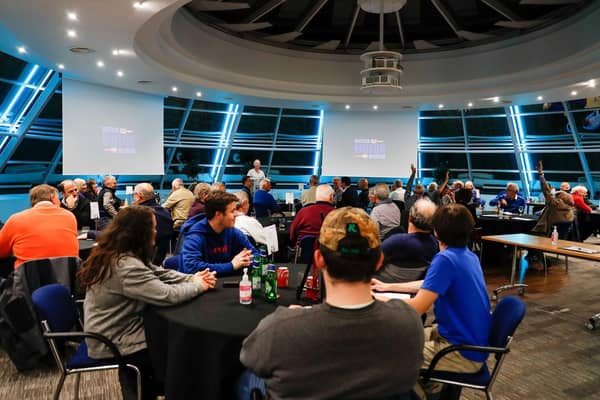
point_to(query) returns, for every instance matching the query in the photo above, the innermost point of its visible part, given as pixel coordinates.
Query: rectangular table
(525, 241)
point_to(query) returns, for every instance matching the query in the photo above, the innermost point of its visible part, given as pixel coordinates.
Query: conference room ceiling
(341, 26)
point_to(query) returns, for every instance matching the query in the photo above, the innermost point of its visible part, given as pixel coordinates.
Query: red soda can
(312, 288)
(283, 277)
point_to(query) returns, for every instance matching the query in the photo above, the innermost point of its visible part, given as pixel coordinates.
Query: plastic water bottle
(245, 289)
(554, 236)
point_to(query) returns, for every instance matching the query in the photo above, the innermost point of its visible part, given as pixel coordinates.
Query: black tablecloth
(195, 346)
(491, 224)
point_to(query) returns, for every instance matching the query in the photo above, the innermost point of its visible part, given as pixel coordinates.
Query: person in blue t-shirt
(454, 284)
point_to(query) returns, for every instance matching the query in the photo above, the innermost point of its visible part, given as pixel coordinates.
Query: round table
(195, 346)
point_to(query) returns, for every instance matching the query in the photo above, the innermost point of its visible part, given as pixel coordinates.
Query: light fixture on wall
(382, 69)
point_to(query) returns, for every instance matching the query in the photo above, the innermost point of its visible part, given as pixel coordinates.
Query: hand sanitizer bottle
(554, 236)
(245, 289)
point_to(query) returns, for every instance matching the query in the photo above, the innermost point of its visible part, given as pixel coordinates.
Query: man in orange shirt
(45, 230)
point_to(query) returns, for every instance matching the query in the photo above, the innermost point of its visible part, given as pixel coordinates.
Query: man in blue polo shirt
(455, 285)
(510, 200)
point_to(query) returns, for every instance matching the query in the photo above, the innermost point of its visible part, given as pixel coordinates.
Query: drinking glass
(521, 209)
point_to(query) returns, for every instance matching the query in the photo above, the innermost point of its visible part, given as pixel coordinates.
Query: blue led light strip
(19, 92)
(16, 121)
(319, 144)
(220, 146)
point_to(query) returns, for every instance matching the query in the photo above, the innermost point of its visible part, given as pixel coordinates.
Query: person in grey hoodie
(120, 280)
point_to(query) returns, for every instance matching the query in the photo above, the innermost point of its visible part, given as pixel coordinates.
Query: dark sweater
(308, 221)
(326, 352)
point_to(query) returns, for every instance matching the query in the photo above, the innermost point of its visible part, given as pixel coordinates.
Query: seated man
(77, 204)
(45, 230)
(352, 346)
(179, 202)
(264, 202)
(407, 255)
(143, 195)
(250, 226)
(385, 213)
(309, 219)
(509, 199)
(455, 284)
(212, 241)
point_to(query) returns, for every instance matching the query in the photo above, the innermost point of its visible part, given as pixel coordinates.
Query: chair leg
(488, 395)
(138, 379)
(58, 389)
(77, 379)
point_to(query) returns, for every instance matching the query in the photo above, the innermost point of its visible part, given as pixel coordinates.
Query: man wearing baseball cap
(351, 345)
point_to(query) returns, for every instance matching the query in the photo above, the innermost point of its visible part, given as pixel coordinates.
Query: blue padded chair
(60, 324)
(506, 317)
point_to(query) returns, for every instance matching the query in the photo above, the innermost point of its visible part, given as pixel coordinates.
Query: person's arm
(107, 203)
(6, 238)
(170, 202)
(409, 184)
(404, 287)
(580, 203)
(139, 282)
(258, 348)
(274, 206)
(422, 301)
(544, 185)
(444, 184)
(495, 200)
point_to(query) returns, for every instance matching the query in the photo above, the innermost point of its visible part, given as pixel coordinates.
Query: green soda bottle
(271, 284)
(256, 278)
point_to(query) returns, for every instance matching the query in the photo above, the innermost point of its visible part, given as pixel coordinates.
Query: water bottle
(554, 236)
(271, 284)
(256, 278)
(245, 289)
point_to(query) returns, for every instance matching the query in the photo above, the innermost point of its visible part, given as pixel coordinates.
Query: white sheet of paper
(393, 295)
(128, 190)
(301, 186)
(271, 235)
(94, 210)
(289, 198)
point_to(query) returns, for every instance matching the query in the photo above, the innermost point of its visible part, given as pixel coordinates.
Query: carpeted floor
(554, 356)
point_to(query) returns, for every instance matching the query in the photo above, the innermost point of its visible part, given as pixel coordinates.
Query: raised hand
(413, 169)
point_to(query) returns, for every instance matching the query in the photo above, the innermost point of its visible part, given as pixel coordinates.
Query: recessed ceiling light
(540, 98)
(347, 106)
(138, 4)
(120, 73)
(375, 107)
(574, 93)
(71, 33)
(61, 66)
(21, 49)
(592, 83)
(496, 99)
(198, 94)
(72, 16)
(100, 63)
(440, 106)
(174, 88)
(470, 104)
(115, 52)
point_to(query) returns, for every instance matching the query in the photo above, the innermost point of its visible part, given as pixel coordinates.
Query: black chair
(506, 317)
(304, 254)
(61, 324)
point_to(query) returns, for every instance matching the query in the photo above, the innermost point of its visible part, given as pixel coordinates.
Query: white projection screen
(369, 143)
(111, 131)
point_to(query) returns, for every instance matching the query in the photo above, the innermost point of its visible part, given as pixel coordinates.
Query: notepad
(393, 295)
(581, 249)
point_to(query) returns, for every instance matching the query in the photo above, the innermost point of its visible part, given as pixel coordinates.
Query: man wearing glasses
(509, 200)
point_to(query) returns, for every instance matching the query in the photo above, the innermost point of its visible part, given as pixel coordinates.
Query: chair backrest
(44, 271)
(307, 249)
(507, 316)
(55, 305)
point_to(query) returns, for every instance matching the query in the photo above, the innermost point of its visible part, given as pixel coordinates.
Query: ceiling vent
(81, 50)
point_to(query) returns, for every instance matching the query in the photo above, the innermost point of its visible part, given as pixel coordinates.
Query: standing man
(77, 204)
(213, 242)
(247, 186)
(45, 230)
(143, 195)
(264, 202)
(351, 346)
(363, 196)
(349, 194)
(179, 202)
(108, 202)
(309, 196)
(398, 191)
(337, 189)
(256, 174)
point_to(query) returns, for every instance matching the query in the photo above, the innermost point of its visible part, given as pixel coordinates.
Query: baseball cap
(349, 232)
